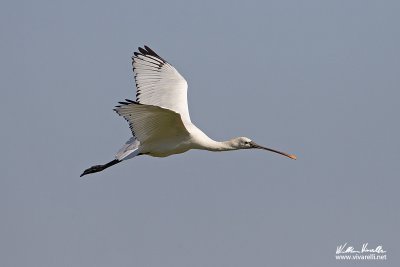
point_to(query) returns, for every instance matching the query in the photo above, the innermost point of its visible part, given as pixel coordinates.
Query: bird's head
(246, 143)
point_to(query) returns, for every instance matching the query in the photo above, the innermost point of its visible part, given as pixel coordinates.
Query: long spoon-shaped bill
(254, 145)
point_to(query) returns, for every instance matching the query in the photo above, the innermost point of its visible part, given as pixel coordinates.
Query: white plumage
(159, 118)
(159, 84)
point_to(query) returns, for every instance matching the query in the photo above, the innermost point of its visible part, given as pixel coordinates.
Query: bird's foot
(93, 169)
(99, 168)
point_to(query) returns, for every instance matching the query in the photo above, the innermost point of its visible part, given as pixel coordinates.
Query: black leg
(99, 168)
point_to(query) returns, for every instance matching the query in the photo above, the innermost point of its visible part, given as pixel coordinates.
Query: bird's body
(167, 147)
(159, 118)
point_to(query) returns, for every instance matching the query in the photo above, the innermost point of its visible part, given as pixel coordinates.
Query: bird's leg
(99, 168)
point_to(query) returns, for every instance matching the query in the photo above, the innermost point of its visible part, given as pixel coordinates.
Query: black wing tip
(150, 51)
(142, 51)
(147, 51)
(127, 102)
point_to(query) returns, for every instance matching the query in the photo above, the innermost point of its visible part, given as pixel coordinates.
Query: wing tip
(147, 51)
(131, 101)
(127, 102)
(142, 51)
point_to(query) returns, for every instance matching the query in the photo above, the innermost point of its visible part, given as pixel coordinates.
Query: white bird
(159, 118)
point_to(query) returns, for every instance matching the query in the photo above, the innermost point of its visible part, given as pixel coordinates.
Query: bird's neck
(213, 145)
(202, 141)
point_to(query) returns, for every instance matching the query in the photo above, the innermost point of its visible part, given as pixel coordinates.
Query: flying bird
(159, 117)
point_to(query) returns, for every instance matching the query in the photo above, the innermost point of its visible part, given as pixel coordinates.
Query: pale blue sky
(319, 79)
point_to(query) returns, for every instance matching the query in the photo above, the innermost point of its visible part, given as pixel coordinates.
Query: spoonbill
(159, 118)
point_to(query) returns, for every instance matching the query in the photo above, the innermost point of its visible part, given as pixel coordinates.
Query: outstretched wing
(150, 123)
(159, 83)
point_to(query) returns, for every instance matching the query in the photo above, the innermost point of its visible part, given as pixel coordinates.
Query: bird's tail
(129, 150)
(99, 168)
